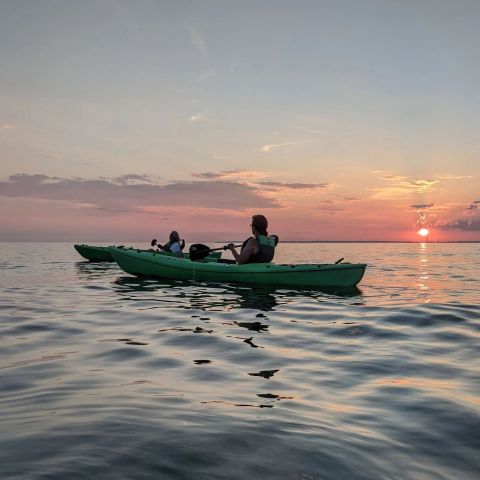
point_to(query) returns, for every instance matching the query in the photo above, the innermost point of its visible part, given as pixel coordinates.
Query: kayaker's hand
(231, 246)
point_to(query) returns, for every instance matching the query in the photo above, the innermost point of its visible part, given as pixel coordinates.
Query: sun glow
(423, 232)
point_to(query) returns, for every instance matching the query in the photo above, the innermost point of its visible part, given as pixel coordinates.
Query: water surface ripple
(106, 376)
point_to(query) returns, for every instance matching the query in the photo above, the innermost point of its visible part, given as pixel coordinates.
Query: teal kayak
(102, 254)
(150, 264)
(94, 254)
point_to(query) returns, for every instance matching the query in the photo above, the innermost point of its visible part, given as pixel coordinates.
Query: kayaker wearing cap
(258, 249)
(174, 245)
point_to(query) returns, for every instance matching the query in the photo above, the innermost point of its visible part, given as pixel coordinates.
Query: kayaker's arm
(235, 254)
(246, 252)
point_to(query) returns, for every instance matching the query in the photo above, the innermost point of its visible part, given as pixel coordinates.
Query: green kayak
(94, 254)
(148, 264)
(102, 254)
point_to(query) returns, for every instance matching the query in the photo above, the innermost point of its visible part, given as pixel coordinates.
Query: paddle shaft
(216, 249)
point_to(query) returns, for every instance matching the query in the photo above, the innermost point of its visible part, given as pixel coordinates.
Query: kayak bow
(94, 254)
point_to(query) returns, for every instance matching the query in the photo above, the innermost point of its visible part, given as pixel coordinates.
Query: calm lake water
(105, 376)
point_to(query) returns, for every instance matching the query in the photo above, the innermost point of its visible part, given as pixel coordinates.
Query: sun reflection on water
(423, 274)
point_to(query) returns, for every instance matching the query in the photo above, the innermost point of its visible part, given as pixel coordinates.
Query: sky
(336, 119)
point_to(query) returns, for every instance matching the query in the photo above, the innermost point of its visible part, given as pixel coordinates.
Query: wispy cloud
(257, 179)
(423, 185)
(399, 186)
(236, 174)
(295, 186)
(344, 198)
(198, 117)
(270, 148)
(410, 183)
(7, 126)
(453, 177)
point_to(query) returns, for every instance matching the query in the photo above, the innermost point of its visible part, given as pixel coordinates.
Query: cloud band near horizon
(121, 194)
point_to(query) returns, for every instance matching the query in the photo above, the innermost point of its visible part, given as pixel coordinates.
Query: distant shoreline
(356, 241)
(116, 242)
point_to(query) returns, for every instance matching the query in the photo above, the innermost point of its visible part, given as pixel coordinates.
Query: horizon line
(236, 241)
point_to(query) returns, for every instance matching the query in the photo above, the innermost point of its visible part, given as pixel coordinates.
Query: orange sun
(423, 232)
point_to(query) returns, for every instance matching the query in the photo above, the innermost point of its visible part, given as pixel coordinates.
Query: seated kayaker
(257, 249)
(174, 245)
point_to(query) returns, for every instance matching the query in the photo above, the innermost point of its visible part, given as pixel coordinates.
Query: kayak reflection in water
(257, 249)
(174, 245)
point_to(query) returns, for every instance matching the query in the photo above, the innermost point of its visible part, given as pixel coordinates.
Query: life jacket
(244, 244)
(265, 252)
(168, 248)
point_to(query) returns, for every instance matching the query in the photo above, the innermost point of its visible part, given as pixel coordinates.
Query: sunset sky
(338, 120)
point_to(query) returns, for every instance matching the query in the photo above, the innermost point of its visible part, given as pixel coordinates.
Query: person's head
(174, 237)
(259, 225)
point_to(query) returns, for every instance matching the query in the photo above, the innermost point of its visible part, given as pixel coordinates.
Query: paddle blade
(198, 251)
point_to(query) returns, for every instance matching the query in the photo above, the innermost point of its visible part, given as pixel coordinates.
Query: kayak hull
(94, 254)
(103, 254)
(148, 264)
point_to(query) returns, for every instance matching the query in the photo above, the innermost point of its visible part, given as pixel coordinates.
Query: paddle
(154, 242)
(198, 251)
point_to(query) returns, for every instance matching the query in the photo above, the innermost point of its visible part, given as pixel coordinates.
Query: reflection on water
(423, 276)
(94, 270)
(165, 379)
(256, 326)
(212, 296)
(264, 373)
